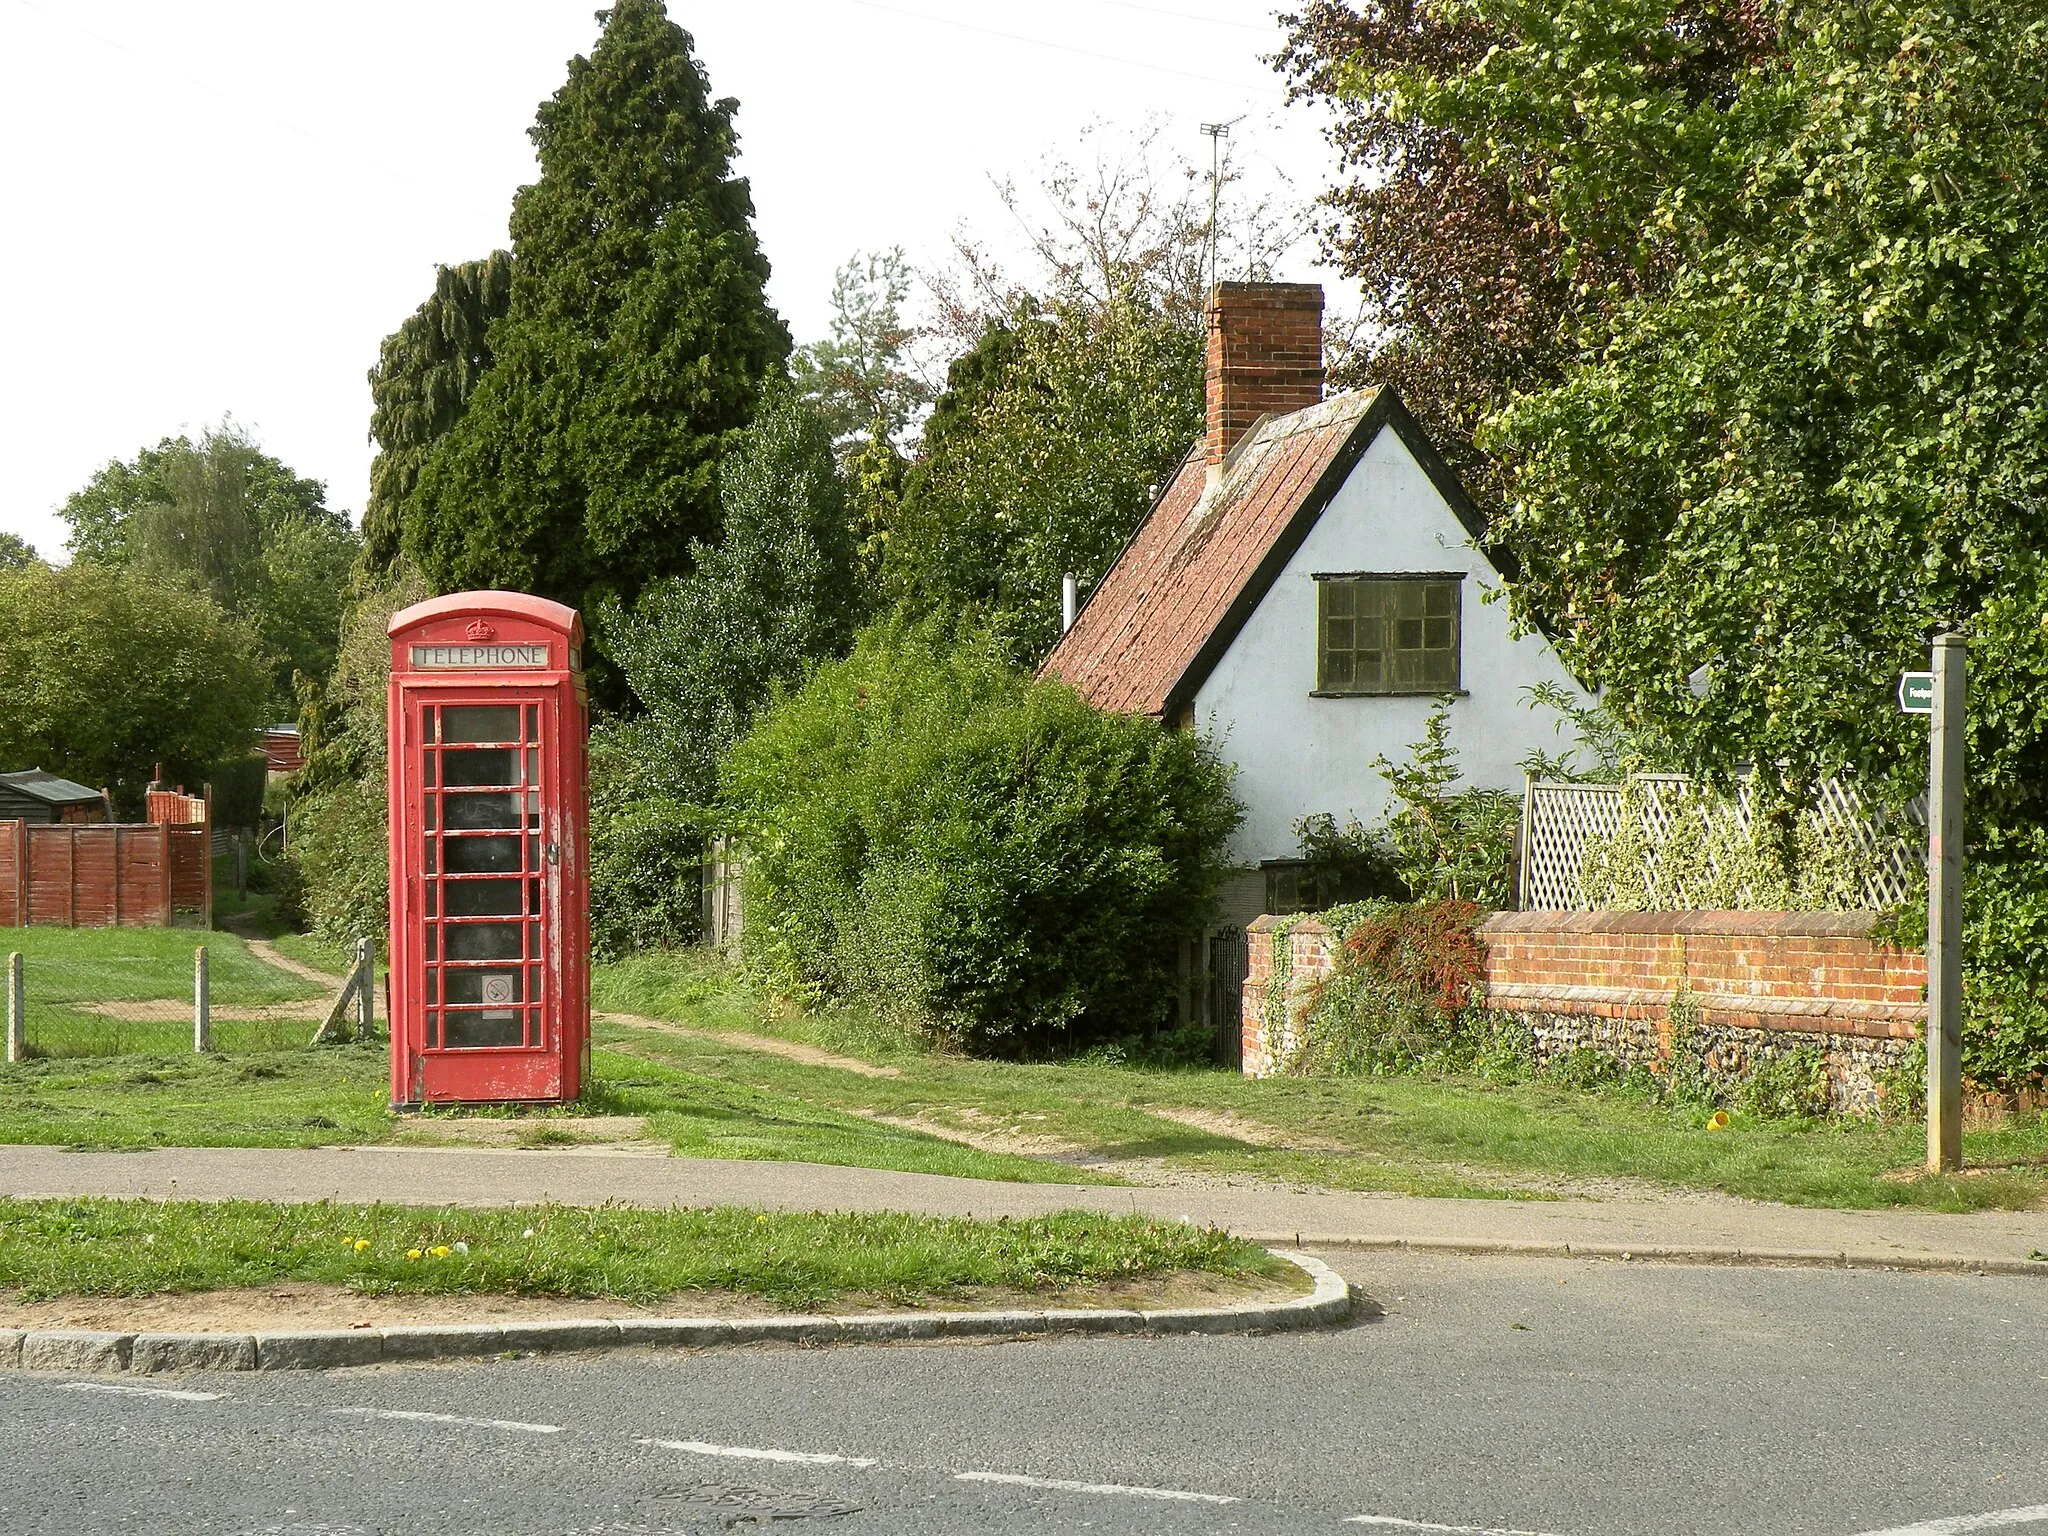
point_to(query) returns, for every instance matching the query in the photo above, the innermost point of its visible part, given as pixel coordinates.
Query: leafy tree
(225, 518)
(634, 344)
(1039, 459)
(1508, 163)
(426, 371)
(15, 552)
(774, 596)
(109, 672)
(1823, 440)
(1446, 844)
(703, 653)
(339, 877)
(1075, 393)
(863, 382)
(861, 378)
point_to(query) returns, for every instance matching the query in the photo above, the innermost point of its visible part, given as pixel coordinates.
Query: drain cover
(741, 1505)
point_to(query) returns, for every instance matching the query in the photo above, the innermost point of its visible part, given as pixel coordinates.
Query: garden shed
(37, 796)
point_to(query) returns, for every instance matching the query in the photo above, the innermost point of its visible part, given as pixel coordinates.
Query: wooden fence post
(366, 987)
(17, 1012)
(202, 1012)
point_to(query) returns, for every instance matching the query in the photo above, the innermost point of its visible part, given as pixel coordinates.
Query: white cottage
(1304, 589)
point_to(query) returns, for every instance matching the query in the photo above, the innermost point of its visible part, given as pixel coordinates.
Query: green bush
(1791, 1085)
(1398, 993)
(646, 853)
(337, 878)
(929, 830)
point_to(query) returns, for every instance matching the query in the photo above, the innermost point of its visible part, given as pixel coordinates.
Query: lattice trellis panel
(1560, 820)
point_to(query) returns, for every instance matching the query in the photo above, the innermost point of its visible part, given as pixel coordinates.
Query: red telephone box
(490, 895)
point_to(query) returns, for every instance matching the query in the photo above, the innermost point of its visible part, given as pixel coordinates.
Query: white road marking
(759, 1453)
(1388, 1522)
(412, 1417)
(1068, 1485)
(173, 1394)
(1958, 1525)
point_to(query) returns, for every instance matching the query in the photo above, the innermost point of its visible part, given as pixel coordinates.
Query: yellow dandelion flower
(362, 1245)
(412, 1253)
(440, 1251)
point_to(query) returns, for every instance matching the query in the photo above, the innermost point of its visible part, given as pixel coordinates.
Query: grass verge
(302, 1098)
(141, 1248)
(705, 1115)
(1418, 1133)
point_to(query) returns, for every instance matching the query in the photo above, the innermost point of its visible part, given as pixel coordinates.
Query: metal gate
(1229, 957)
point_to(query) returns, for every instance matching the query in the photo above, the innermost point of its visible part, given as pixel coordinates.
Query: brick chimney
(1265, 357)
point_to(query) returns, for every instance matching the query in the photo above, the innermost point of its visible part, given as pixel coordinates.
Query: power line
(157, 64)
(1213, 21)
(1086, 53)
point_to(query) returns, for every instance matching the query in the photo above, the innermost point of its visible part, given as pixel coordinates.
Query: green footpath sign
(1916, 693)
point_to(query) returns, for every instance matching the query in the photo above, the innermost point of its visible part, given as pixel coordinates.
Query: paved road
(1580, 1398)
(422, 1175)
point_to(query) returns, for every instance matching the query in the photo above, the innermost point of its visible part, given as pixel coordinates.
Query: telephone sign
(490, 979)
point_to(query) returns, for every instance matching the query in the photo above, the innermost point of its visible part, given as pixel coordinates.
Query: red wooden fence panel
(103, 876)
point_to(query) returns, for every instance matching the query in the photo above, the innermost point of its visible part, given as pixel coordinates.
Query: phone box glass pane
(476, 813)
(483, 855)
(481, 765)
(482, 898)
(483, 941)
(474, 1031)
(480, 722)
(495, 989)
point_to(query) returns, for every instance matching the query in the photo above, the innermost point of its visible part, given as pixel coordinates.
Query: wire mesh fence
(118, 992)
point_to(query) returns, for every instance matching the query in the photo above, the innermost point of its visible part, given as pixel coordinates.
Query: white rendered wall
(1296, 755)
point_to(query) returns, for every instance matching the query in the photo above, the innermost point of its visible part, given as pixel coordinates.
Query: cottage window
(1387, 634)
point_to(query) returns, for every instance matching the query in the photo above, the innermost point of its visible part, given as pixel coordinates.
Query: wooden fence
(154, 874)
(1559, 821)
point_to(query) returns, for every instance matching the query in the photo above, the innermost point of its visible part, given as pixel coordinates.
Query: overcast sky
(219, 207)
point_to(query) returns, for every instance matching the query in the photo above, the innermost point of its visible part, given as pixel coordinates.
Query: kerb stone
(676, 1332)
(69, 1350)
(532, 1338)
(155, 1352)
(443, 1341)
(318, 1349)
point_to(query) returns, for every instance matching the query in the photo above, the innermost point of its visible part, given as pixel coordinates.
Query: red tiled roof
(1176, 597)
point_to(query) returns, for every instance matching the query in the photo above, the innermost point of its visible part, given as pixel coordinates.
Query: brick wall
(1813, 972)
(1755, 985)
(1265, 356)
(1310, 951)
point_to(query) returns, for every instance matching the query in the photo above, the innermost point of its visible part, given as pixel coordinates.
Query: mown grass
(1425, 1134)
(706, 1115)
(334, 1095)
(141, 1248)
(334, 959)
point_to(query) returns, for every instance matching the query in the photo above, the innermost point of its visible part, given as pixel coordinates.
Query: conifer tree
(426, 371)
(635, 344)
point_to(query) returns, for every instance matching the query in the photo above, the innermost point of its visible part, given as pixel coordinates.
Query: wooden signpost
(1939, 694)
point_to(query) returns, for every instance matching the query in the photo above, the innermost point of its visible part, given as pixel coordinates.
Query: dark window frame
(1330, 681)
